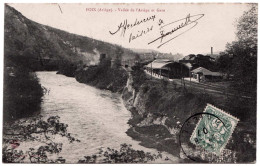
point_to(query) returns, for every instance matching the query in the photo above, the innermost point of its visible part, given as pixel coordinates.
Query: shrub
(34, 129)
(22, 93)
(104, 77)
(126, 154)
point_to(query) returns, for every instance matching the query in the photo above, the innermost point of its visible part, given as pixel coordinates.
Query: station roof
(205, 71)
(159, 63)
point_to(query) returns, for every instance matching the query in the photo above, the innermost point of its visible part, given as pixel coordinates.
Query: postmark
(212, 133)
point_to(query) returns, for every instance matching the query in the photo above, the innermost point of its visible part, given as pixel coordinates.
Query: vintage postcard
(130, 83)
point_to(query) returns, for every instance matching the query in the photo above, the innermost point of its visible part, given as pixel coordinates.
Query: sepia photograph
(132, 83)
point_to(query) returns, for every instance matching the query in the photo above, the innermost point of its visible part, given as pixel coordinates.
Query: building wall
(173, 71)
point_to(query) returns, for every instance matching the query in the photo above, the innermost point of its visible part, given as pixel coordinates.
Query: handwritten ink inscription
(125, 25)
(167, 31)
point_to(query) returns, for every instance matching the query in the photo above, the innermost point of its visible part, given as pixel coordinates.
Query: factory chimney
(211, 50)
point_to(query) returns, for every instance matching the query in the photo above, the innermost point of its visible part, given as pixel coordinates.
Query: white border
(112, 1)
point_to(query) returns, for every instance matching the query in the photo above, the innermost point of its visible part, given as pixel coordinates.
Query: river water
(96, 117)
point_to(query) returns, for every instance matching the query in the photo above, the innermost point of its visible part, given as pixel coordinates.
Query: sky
(214, 29)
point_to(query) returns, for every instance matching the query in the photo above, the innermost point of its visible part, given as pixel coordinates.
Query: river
(96, 117)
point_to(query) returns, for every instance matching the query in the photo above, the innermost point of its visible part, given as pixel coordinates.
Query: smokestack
(211, 50)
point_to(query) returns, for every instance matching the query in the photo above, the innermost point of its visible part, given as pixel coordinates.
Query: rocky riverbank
(159, 108)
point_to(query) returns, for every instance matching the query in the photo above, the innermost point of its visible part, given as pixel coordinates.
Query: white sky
(215, 29)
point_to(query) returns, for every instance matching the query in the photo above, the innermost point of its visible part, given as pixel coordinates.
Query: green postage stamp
(214, 129)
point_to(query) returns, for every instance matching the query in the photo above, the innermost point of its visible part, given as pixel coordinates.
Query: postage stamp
(213, 132)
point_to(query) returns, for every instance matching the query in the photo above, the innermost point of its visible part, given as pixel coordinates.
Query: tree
(247, 29)
(243, 53)
(224, 62)
(34, 129)
(126, 154)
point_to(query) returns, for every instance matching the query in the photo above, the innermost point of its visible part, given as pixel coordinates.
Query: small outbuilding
(203, 74)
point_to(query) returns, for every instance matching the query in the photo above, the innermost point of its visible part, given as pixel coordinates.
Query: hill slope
(29, 42)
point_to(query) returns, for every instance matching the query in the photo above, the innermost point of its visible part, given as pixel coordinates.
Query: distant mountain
(143, 51)
(30, 41)
(150, 54)
(193, 56)
(170, 56)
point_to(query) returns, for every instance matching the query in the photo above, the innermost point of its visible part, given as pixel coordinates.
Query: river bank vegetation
(22, 91)
(103, 76)
(46, 133)
(34, 129)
